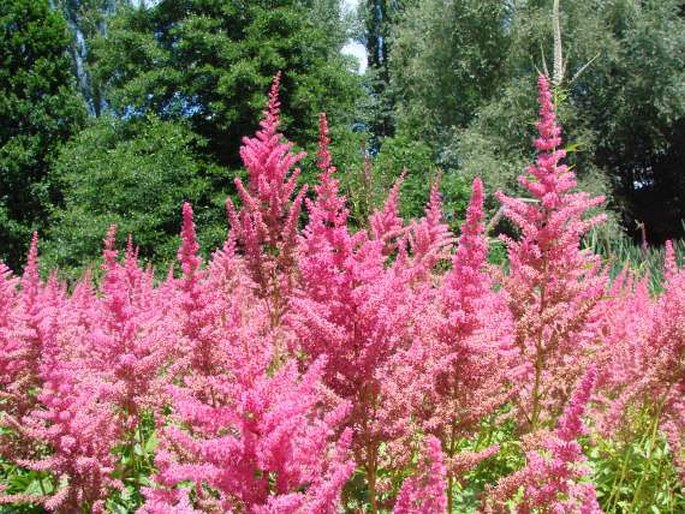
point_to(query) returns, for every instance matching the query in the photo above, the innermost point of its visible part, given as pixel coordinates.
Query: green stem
(141, 441)
(618, 481)
(635, 502)
(450, 476)
(371, 478)
(42, 487)
(450, 493)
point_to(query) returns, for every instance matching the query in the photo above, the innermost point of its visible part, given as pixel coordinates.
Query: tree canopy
(210, 63)
(461, 72)
(39, 109)
(447, 92)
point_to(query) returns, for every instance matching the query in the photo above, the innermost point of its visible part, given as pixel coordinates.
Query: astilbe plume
(326, 236)
(10, 344)
(555, 288)
(266, 224)
(128, 348)
(70, 430)
(76, 428)
(263, 444)
(354, 306)
(386, 224)
(199, 347)
(555, 478)
(21, 339)
(650, 372)
(250, 438)
(457, 371)
(625, 357)
(665, 369)
(407, 377)
(424, 492)
(21, 354)
(429, 238)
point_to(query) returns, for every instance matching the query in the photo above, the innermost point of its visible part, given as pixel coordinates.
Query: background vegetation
(117, 110)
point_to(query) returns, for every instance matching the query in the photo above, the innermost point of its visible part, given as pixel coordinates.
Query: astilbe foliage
(554, 287)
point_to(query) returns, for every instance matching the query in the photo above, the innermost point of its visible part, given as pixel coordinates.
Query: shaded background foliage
(39, 109)
(109, 103)
(621, 93)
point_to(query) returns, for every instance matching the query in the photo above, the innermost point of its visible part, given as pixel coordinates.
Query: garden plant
(310, 366)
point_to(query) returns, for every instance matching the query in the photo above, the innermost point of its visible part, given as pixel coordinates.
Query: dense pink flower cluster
(555, 478)
(424, 492)
(555, 288)
(299, 362)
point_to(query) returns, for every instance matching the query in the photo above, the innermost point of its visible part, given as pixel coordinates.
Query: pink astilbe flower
(430, 238)
(354, 306)
(126, 353)
(666, 348)
(30, 280)
(386, 224)
(22, 341)
(651, 371)
(250, 433)
(475, 337)
(457, 370)
(70, 429)
(326, 233)
(346, 306)
(199, 347)
(266, 224)
(10, 344)
(424, 492)
(187, 252)
(625, 357)
(260, 444)
(554, 287)
(329, 211)
(78, 428)
(555, 478)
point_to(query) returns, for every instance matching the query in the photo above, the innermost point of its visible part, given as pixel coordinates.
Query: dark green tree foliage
(135, 174)
(622, 99)
(211, 61)
(448, 58)
(39, 109)
(634, 99)
(378, 19)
